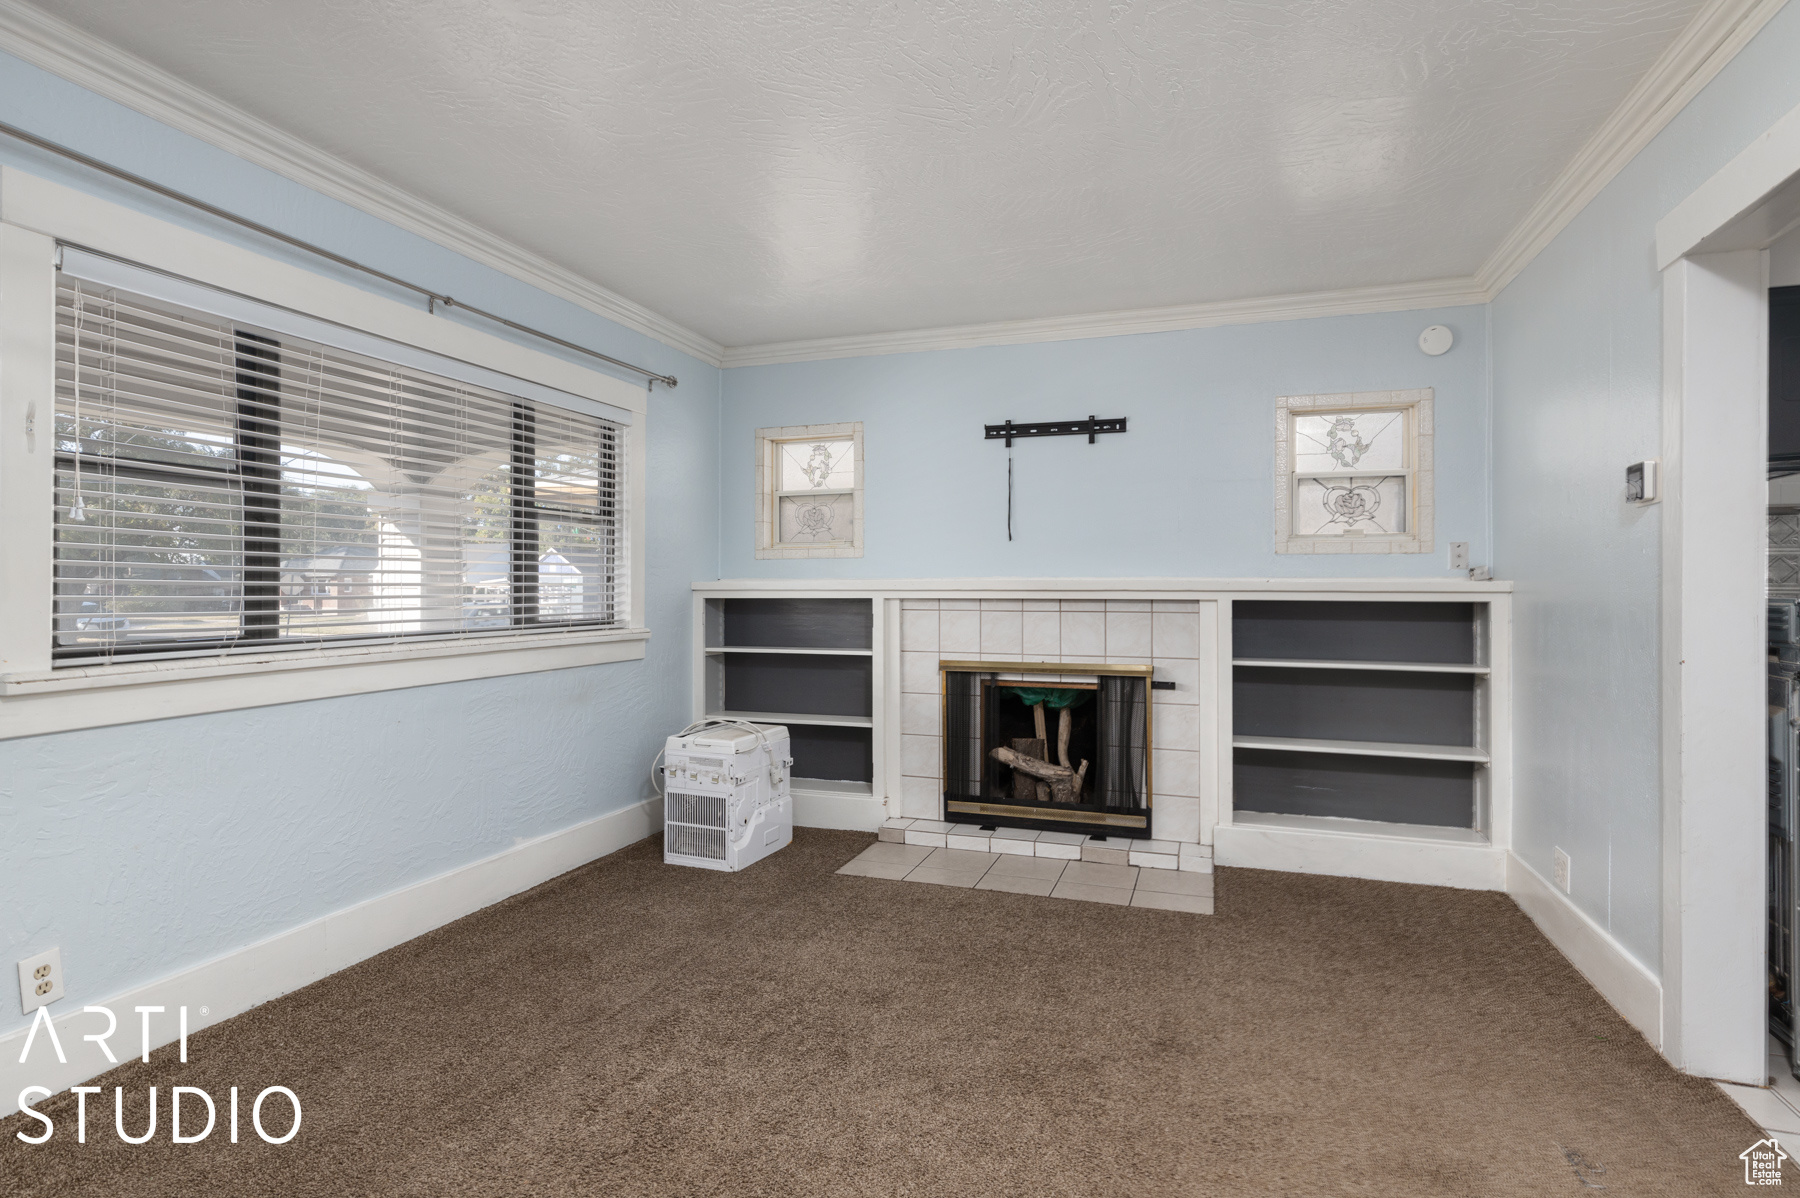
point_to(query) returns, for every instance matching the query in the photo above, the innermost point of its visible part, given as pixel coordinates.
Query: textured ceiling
(775, 171)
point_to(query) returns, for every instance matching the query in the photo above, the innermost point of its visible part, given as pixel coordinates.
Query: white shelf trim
(790, 652)
(1403, 667)
(1361, 748)
(1097, 588)
(788, 717)
(1332, 825)
(828, 786)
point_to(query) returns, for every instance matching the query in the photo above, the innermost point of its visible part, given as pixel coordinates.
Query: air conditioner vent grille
(684, 840)
(708, 811)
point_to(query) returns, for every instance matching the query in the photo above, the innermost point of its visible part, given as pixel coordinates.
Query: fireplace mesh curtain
(962, 735)
(1124, 729)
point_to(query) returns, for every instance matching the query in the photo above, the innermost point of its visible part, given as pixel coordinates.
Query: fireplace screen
(1069, 752)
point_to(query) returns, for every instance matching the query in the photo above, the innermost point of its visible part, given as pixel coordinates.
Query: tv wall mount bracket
(1089, 428)
(1055, 428)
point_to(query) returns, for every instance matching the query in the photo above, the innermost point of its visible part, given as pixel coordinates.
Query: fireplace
(1050, 746)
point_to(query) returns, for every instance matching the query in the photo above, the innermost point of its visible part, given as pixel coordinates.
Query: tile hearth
(1064, 846)
(1054, 877)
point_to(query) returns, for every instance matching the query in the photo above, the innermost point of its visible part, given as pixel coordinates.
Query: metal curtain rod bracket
(1055, 428)
(433, 299)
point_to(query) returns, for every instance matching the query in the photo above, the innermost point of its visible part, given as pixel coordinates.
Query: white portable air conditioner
(727, 804)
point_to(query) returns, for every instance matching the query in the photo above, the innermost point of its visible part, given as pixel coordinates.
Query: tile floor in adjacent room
(1125, 885)
(1775, 1106)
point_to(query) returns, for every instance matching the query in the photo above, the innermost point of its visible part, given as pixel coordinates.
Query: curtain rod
(432, 298)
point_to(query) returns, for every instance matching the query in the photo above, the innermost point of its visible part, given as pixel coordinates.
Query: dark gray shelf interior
(804, 685)
(1390, 789)
(1313, 630)
(1356, 705)
(1423, 709)
(832, 754)
(798, 624)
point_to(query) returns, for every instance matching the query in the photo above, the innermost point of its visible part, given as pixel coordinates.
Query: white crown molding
(1710, 41)
(1400, 297)
(1699, 52)
(60, 48)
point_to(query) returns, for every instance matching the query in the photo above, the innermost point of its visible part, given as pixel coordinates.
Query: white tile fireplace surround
(1163, 633)
(1296, 704)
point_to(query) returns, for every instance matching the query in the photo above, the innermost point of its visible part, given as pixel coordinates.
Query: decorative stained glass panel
(1784, 553)
(826, 465)
(1339, 441)
(1350, 505)
(817, 520)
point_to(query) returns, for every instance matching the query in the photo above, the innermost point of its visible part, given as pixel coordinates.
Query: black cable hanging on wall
(1088, 428)
(1009, 491)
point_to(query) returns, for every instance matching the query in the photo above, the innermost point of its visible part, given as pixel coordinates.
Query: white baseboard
(247, 977)
(1422, 861)
(856, 813)
(1622, 980)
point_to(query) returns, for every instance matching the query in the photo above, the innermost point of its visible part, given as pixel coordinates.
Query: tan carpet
(631, 1028)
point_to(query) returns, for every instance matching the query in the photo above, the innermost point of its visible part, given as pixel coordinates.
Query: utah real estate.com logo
(1762, 1163)
(193, 1134)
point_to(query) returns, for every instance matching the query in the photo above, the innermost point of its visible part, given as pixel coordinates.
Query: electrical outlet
(1562, 871)
(1459, 555)
(40, 979)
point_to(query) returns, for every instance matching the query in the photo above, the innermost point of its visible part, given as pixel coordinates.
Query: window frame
(1416, 406)
(769, 495)
(38, 696)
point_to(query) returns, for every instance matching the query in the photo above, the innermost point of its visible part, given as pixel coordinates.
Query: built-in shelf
(774, 649)
(789, 717)
(829, 786)
(1361, 748)
(1337, 826)
(1404, 667)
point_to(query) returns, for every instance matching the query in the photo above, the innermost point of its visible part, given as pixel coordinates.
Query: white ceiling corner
(65, 50)
(1710, 41)
(807, 183)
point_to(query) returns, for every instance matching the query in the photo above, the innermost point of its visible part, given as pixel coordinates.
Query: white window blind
(224, 487)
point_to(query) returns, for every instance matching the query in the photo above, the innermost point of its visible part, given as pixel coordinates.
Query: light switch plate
(40, 979)
(1459, 555)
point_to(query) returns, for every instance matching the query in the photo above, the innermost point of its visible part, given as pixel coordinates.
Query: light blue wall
(1577, 396)
(146, 848)
(1188, 491)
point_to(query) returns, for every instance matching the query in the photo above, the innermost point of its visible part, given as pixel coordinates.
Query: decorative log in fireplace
(1002, 767)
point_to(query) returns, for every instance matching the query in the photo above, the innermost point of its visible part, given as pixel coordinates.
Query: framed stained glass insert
(809, 491)
(1351, 505)
(818, 465)
(814, 519)
(1356, 473)
(1333, 442)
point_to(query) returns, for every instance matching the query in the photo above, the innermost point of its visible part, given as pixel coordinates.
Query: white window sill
(1323, 545)
(36, 702)
(792, 552)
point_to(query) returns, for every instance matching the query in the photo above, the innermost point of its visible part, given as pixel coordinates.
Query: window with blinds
(221, 487)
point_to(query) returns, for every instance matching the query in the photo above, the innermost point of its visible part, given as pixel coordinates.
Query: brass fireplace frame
(967, 807)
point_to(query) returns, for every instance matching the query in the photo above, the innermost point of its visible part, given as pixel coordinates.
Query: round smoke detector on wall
(1436, 340)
